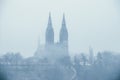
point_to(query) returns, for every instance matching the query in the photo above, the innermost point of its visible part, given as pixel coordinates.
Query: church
(51, 50)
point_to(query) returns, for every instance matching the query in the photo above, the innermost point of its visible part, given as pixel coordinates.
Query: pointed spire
(63, 31)
(63, 21)
(49, 31)
(50, 20)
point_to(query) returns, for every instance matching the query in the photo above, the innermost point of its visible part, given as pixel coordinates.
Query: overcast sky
(89, 22)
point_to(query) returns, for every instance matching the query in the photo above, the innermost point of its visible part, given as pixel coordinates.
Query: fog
(22, 22)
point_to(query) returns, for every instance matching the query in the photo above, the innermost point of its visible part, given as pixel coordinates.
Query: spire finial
(49, 20)
(63, 21)
(49, 14)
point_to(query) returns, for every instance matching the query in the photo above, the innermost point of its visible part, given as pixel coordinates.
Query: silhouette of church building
(52, 50)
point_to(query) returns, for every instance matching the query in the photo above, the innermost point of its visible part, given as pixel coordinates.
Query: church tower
(63, 38)
(49, 32)
(63, 32)
(55, 51)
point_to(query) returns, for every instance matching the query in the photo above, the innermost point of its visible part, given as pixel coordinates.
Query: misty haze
(59, 40)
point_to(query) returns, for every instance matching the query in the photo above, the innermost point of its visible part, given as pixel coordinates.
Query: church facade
(52, 50)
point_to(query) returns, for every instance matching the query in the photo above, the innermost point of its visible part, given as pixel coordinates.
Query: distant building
(52, 50)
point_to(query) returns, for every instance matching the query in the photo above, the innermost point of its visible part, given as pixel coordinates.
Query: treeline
(102, 66)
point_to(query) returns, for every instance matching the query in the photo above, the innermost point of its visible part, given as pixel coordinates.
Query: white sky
(89, 22)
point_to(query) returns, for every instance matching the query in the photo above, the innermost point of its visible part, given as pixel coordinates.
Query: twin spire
(63, 21)
(50, 20)
(63, 31)
(50, 31)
